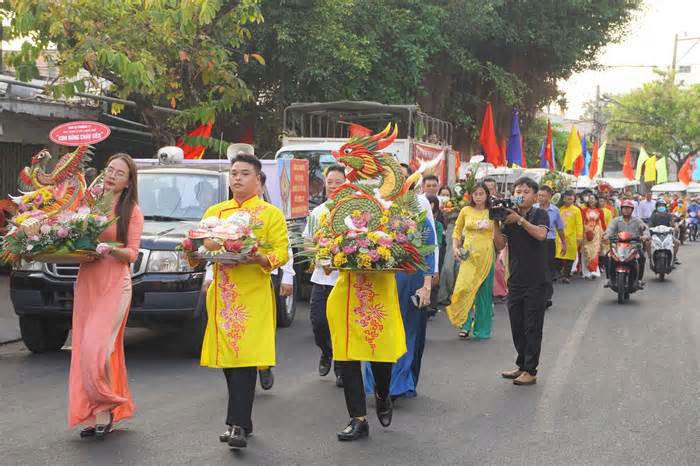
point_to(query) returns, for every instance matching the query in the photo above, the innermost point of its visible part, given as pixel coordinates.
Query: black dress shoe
(355, 429)
(87, 432)
(267, 379)
(385, 410)
(237, 439)
(324, 366)
(339, 381)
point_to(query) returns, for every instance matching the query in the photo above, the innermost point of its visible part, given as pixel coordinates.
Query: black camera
(499, 209)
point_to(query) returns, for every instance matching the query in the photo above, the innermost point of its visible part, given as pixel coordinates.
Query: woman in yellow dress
(573, 231)
(471, 308)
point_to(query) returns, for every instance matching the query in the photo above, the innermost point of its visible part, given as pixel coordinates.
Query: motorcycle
(624, 265)
(661, 250)
(693, 226)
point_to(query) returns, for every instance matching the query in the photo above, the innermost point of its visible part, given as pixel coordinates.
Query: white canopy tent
(676, 187)
(694, 188)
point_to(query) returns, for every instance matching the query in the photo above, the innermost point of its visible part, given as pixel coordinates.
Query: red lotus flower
(187, 244)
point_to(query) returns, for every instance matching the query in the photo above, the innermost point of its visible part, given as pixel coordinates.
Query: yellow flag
(573, 149)
(641, 160)
(601, 158)
(661, 170)
(650, 170)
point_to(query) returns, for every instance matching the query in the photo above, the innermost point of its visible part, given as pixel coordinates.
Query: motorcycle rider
(661, 216)
(636, 227)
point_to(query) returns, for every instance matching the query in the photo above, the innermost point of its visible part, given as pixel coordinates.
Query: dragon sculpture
(375, 179)
(66, 179)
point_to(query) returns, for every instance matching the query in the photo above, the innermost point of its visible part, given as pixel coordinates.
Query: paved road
(618, 385)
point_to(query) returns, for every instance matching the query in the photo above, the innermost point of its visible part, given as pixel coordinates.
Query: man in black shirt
(525, 231)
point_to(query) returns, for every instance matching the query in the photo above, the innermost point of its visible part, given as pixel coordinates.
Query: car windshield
(177, 196)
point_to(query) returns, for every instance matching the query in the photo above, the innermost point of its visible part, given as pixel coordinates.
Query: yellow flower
(324, 252)
(384, 252)
(364, 261)
(339, 259)
(373, 236)
(356, 213)
(337, 240)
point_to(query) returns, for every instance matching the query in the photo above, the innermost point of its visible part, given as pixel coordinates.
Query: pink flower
(38, 199)
(363, 242)
(103, 249)
(96, 190)
(374, 255)
(45, 229)
(63, 232)
(23, 207)
(323, 242)
(334, 249)
(102, 219)
(351, 234)
(401, 238)
(34, 238)
(385, 241)
(349, 249)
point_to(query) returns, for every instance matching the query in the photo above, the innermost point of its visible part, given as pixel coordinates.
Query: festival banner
(428, 153)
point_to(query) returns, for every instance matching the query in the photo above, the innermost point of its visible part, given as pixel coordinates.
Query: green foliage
(185, 54)
(450, 57)
(663, 116)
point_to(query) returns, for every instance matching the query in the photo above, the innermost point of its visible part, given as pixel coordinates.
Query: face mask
(517, 200)
(661, 209)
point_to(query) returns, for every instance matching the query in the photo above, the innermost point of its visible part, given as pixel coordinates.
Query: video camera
(499, 209)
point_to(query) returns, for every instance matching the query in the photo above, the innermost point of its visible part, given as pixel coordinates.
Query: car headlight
(26, 266)
(168, 262)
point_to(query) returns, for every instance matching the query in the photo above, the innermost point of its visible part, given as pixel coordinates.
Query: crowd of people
(480, 256)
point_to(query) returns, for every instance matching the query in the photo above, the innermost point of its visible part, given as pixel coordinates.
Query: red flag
(358, 131)
(522, 151)
(195, 152)
(549, 147)
(487, 138)
(502, 150)
(593, 167)
(579, 164)
(684, 172)
(627, 168)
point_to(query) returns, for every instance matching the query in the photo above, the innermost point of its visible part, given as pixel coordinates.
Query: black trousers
(551, 248)
(319, 322)
(354, 387)
(241, 394)
(526, 307)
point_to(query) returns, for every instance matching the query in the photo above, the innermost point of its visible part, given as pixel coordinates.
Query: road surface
(619, 384)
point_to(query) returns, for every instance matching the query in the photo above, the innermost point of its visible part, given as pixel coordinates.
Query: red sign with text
(299, 188)
(79, 133)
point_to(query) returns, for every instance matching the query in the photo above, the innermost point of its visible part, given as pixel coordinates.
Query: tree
(448, 56)
(185, 54)
(661, 115)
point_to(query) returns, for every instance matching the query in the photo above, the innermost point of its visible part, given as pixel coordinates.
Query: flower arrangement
(36, 236)
(461, 196)
(222, 240)
(393, 243)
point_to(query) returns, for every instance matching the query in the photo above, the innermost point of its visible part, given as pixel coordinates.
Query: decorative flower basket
(229, 240)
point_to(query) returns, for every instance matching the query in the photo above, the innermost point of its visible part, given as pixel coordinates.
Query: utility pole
(675, 53)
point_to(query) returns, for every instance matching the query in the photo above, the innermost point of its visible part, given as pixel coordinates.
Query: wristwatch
(520, 222)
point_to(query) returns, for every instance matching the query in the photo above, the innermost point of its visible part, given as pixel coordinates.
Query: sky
(648, 42)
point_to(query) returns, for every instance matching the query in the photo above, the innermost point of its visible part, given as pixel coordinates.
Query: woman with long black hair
(98, 391)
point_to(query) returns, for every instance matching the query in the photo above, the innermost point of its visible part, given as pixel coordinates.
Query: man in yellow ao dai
(240, 334)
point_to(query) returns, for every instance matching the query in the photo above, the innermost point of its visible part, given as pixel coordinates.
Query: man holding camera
(525, 230)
